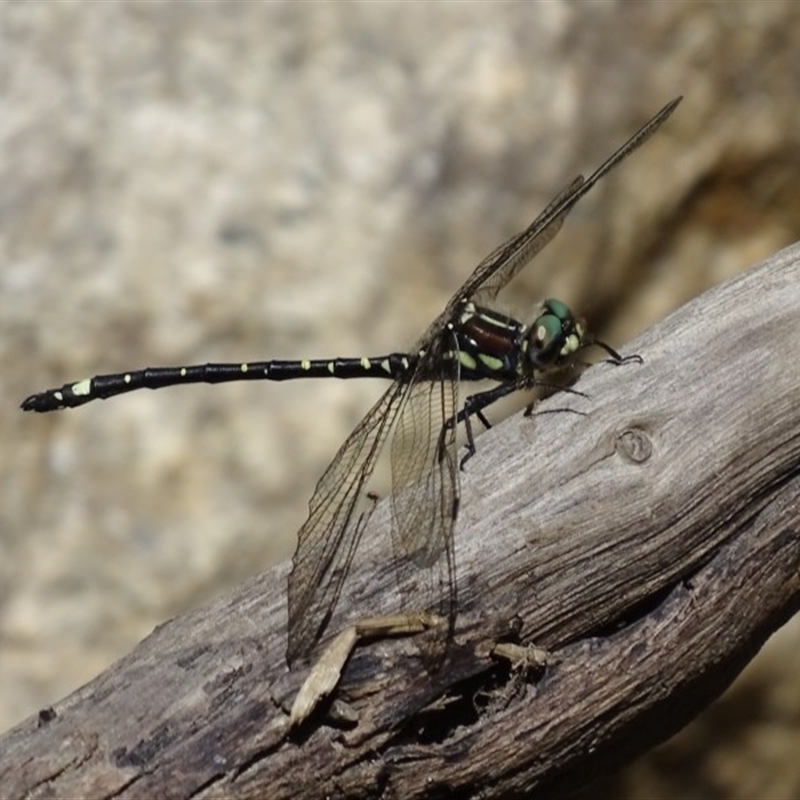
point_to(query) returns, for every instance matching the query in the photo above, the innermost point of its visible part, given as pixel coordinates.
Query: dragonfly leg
(474, 405)
(556, 387)
(464, 416)
(615, 357)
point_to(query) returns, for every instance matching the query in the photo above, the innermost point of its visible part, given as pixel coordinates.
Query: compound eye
(557, 309)
(546, 340)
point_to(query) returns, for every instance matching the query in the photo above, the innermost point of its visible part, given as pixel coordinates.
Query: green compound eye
(554, 336)
(557, 309)
(547, 329)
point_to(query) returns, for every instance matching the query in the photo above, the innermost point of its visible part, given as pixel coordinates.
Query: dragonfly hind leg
(473, 406)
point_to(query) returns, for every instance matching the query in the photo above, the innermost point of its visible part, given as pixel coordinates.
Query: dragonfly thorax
(554, 337)
(489, 344)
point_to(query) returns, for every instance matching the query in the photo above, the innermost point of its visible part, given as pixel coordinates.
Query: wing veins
(423, 541)
(328, 539)
(503, 263)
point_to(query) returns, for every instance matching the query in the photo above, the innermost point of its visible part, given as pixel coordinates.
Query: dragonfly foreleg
(615, 357)
(555, 387)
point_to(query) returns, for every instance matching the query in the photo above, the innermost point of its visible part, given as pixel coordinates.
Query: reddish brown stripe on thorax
(492, 334)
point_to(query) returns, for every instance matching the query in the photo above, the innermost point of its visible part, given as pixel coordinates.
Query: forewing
(503, 263)
(328, 539)
(425, 495)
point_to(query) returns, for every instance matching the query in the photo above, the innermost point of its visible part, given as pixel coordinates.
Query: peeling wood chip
(327, 671)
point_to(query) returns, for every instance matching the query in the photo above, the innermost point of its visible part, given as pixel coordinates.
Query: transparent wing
(503, 263)
(425, 496)
(328, 539)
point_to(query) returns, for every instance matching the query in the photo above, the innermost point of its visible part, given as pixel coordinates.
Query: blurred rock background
(185, 182)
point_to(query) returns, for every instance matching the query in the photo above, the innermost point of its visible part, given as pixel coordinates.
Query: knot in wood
(634, 445)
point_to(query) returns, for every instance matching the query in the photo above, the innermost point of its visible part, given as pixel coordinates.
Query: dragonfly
(420, 411)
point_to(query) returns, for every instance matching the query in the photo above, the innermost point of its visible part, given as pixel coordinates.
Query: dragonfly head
(554, 337)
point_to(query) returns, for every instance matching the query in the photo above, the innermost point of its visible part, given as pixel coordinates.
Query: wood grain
(647, 535)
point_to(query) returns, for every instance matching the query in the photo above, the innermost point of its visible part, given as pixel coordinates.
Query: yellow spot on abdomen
(82, 388)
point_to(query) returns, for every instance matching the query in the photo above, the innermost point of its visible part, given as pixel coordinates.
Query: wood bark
(646, 535)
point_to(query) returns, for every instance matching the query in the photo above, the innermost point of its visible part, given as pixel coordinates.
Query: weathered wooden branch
(650, 542)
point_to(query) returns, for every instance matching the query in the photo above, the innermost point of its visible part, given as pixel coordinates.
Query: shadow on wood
(650, 543)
